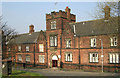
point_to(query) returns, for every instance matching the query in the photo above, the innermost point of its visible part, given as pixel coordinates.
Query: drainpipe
(61, 46)
(47, 53)
(34, 54)
(79, 50)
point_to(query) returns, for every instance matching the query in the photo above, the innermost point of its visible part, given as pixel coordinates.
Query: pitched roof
(26, 38)
(96, 27)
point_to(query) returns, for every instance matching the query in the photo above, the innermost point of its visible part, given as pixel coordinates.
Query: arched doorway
(54, 61)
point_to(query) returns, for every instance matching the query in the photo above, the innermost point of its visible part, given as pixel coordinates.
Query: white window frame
(93, 57)
(68, 57)
(19, 48)
(53, 41)
(93, 42)
(114, 57)
(113, 41)
(27, 48)
(68, 43)
(27, 58)
(41, 48)
(41, 58)
(19, 57)
(9, 48)
(53, 25)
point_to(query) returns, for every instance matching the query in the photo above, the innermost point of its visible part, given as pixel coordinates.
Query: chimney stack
(68, 12)
(31, 29)
(107, 12)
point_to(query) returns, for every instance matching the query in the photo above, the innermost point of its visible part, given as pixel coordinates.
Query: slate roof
(96, 27)
(26, 38)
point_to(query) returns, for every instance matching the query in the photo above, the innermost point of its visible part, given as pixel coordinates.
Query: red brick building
(69, 44)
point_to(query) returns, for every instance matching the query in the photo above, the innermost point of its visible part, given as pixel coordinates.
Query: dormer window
(53, 25)
(113, 41)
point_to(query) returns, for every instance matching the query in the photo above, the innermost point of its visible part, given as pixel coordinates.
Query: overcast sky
(19, 15)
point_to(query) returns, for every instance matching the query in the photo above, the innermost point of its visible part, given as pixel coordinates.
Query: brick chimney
(31, 29)
(68, 12)
(107, 12)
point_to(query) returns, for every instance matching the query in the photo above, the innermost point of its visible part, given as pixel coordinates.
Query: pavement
(58, 72)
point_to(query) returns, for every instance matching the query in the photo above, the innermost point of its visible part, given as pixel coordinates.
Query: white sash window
(68, 57)
(113, 41)
(28, 58)
(41, 59)
(19, 48)
(41, 48)
(53, 25)
(19, 57)
(27, 48)
(114, 57)
(68, 43)
(93, 42)
(93, 57)
(53, 41)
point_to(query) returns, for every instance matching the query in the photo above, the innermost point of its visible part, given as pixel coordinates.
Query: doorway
(54, 63)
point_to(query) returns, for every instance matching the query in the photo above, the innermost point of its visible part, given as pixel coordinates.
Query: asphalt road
(58, 72)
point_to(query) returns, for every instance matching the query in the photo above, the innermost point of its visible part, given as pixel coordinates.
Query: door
(54, 63)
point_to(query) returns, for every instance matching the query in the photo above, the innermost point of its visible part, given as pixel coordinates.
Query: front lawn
(23, 74)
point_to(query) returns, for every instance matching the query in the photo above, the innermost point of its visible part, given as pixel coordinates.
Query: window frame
(53, 25)
(27, 59)
(114, 41)
(68, 44)
(19, 57)
(93, 42)
(113, 59)
(55, 41)
(41, 49)
(94, 59)
(27, 50)
(68, 58)
(19, 48)
(43, 57)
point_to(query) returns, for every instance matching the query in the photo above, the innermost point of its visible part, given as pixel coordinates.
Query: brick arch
(51, 58)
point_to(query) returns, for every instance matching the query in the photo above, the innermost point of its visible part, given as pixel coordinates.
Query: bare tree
(99, 10)
(8, 33)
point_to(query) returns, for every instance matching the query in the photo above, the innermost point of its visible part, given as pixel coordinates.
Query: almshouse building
(93, 44)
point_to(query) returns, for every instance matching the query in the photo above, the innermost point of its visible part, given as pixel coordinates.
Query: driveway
(58, 72)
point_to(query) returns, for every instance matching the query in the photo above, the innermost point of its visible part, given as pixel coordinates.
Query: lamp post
(102, 52)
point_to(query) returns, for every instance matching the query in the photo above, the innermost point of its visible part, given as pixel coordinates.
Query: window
(68, 43)
(41, 48)
(68, 57)
(113, 41)
(19, 57)
(53, 41)
(93, 57)
(41, 58)
(19, 48)
(114, 58)
(27, 58)
(27, 48)
(93, 42)
(53, 25)
(8, 48)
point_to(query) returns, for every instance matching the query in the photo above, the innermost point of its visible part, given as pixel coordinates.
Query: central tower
(55, 23)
